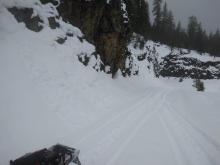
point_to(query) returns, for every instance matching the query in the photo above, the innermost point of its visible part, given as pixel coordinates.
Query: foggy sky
(207, 11)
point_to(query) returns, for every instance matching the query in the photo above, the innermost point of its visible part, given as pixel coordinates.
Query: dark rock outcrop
(177, 66)
(53, 23)
(25, 15)
(103, 25)
(178, 63)
(61, 40)
(54, 2)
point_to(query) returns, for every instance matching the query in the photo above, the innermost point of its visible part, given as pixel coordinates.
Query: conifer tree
(214, 43)
(191, 31)
(164, 15)
(200, 39)
(144, 19)
(164, 23)
(178, 34)
(165, 30)
(138, 12)
(157, 13)
(170, 28)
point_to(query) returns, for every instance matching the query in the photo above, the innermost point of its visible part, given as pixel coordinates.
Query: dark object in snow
(61, 40)
(55, 155)
(84, 58)
(26, 15)
(54, 2)
(53, 23)
(199, 85)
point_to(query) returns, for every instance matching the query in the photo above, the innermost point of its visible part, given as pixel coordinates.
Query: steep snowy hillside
(47, 96)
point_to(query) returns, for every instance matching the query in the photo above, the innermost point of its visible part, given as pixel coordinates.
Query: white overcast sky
(207, 11)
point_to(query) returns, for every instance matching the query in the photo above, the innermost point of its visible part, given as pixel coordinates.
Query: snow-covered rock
(176, 62)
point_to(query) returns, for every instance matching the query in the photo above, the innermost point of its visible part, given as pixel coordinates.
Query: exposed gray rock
(61, 40)
(53, 23)
(177, 66)
(25, 15)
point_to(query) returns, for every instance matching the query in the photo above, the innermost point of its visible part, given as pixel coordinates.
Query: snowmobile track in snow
(186, 139)
(109, 118)
(141, 123)
(120, 130)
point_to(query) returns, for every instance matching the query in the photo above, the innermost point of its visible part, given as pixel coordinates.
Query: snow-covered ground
(47, 96)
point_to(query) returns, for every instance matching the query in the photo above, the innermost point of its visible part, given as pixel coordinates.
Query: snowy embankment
(47, 97)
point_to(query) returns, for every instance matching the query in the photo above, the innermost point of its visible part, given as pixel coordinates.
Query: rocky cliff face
(104, 24)
(174, 65)
(179, 63)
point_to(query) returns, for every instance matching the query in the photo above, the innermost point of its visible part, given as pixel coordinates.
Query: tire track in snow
(196, 129)
(178, 151)
(100, 142)
(110, 118)
(121, 130)
(185, 147)
(199, 137)
(138, 127)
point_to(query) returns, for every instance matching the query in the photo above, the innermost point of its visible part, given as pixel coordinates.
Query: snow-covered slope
(47, 96)
(175, 62)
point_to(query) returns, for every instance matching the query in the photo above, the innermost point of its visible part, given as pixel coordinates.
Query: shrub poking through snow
(199, 85)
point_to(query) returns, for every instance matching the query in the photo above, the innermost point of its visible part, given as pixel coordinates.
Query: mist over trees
(166, 31)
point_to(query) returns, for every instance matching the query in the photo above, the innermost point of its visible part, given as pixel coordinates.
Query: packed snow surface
(47, 97)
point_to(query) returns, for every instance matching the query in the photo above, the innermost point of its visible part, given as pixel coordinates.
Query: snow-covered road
(115, 133)
(48, 97)
(150, 130)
